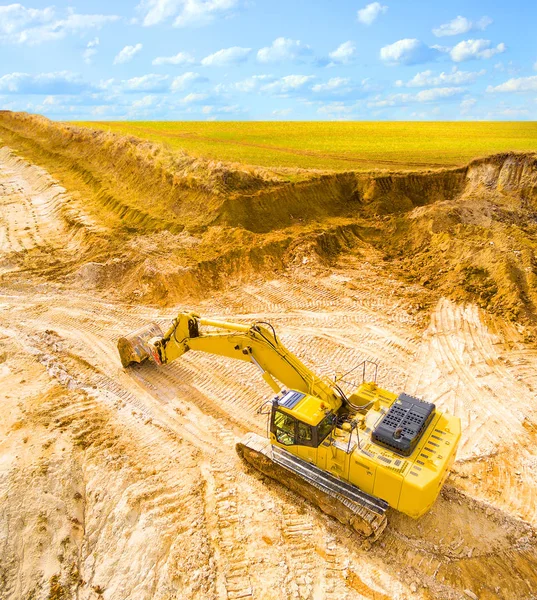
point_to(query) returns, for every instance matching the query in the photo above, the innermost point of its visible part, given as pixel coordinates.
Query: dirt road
(124, 484)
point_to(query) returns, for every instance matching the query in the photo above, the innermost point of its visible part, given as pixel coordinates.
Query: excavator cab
(309, 426)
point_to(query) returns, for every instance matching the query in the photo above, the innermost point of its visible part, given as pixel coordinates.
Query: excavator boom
(257, 344)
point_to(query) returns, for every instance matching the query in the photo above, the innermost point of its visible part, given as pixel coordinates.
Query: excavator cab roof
(306, 408)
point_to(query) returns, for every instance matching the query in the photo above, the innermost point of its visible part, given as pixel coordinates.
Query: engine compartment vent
(401, 428)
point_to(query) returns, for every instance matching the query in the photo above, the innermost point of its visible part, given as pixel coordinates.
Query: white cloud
(251, 84)
(290, 83)
(80, 106)
(437, 93)
(74, 22)
(467, 105)
(455, 27)
(368, 85)
(520, 84)
(157, 11)
(483, 23)
(408, 51)
(456, 77)
(234, 108)
(201, 12)
(344, 53)
(181, 82)
(379, 102)
(424, 115)
(335, 110)
(148, 106)
(106, 84)
(472, 49)
(282, 112)
(154, 106)
(21, 25)
(153, 12)
(144, 83)
(226, 110)
(460, 25)
(508, 67)
(144, 102)
(15, 18)
(101, 111)
(194, 98)
(370, 13)
(91, 50)
(513, 112)
(62, 82)
(425, 96)
(506, 112)
(226, 56)
(127, 54)
(283, 49)
(181, 58)
(336, 84)
(184, 12)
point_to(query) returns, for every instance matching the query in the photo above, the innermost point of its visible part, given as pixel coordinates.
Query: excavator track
(349, 505)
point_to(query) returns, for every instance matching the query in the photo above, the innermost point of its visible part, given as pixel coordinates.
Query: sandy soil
(121, 484)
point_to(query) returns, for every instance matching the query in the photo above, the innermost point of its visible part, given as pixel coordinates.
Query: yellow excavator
(353, 454)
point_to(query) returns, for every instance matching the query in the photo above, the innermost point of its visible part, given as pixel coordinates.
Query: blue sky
(270, 59)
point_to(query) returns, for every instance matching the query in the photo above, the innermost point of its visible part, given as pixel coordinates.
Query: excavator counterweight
(353, 455)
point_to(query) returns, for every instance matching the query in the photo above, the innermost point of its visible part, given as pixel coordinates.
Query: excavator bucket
(134, 348)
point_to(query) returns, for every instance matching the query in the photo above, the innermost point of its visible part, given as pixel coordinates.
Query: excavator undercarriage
(349, 505)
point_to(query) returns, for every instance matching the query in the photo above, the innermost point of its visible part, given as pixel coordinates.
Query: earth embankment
(180, 225)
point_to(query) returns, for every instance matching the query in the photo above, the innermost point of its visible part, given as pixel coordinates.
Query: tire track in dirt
(233, 580)
(464, 373)
(36, 206)
(167, 394)
(41, 227)
(120, 500)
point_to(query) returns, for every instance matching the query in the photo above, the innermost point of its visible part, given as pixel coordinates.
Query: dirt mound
(511, 174)
(140, 183)
(480, 245)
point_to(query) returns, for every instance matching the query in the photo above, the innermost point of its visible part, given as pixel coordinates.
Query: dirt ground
(124, 484)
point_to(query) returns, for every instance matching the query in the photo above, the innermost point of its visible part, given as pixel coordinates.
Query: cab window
(285, 428)
(304, 434)
(324, 428)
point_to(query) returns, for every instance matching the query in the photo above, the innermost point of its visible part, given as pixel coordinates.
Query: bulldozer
(354, 452)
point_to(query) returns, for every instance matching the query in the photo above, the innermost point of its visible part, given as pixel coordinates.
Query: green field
(336, 145)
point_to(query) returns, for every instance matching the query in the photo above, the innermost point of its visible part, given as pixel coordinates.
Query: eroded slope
(176, 226)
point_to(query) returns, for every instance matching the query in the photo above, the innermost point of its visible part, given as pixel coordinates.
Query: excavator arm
(257, 344)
